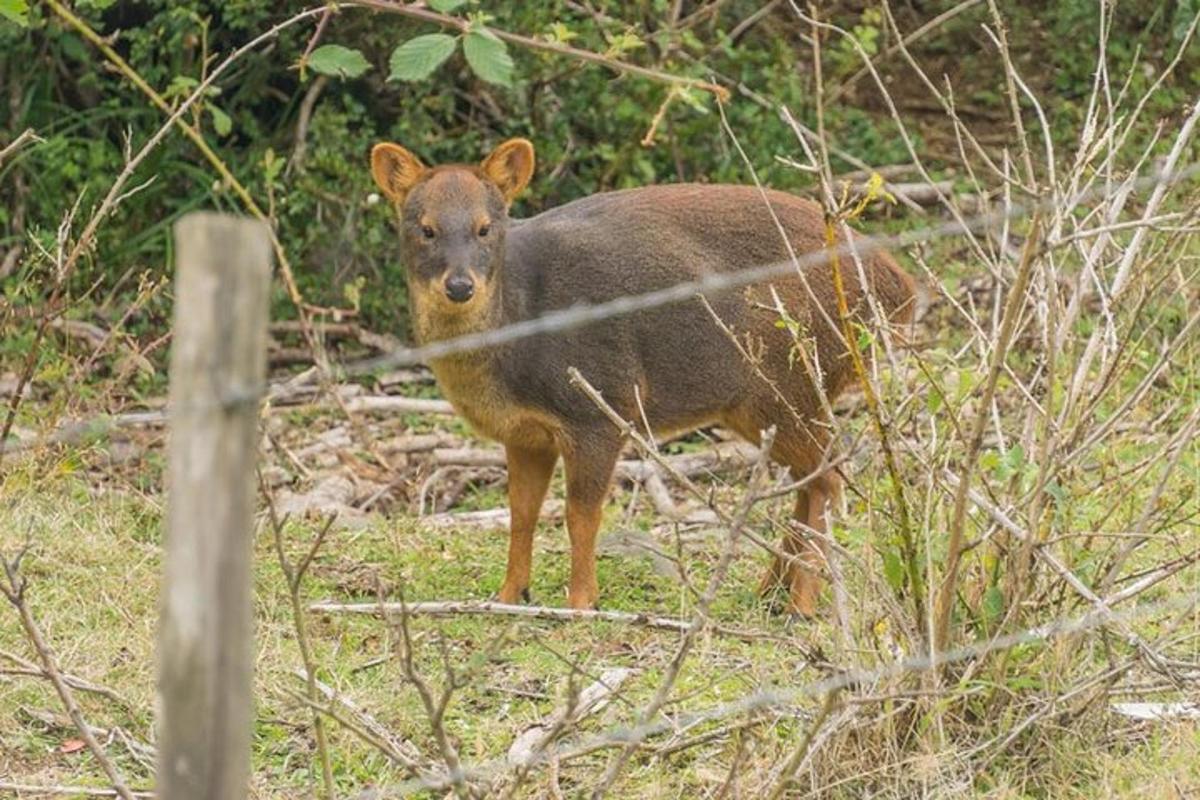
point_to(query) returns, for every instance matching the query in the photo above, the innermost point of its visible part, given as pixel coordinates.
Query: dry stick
(1010, 76)
(448, 608)
(580, 704)
(700, 617)
(75, 432)
(294, 575)
(464, 26)
(39, 790)
(401, 750)
(435, 710)
(27, 667)
(944, 601)
(14, 591)
(704, 738)
(16, 144)
(362, 725)
(398, 405)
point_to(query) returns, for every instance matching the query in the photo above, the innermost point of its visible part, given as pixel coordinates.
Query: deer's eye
(484, 230)
(428, 232)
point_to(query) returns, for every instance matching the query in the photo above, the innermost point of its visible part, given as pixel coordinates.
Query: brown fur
(686, 371)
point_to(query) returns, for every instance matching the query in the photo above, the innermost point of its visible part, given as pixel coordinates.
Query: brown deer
(471, 268)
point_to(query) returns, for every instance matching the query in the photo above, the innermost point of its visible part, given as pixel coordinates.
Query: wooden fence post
(206, 645)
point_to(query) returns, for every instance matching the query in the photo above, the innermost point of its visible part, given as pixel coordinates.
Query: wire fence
(716, 283)
(578, 316)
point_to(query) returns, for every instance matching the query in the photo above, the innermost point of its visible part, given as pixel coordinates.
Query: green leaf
(417, 58)
(15, 11)
(560, 33)
(445, 6)
(488, 57)
(181, 86)
(222, 124)
(893, 570)
(272, 165)
(1055, 490)
(338, 62)
(933, 400)
(624, 42)
(993, 605)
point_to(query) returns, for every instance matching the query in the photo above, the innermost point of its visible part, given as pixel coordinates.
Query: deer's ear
(395, 170)
(510, 166)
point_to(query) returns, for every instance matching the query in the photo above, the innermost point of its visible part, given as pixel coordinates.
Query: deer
(721, 360)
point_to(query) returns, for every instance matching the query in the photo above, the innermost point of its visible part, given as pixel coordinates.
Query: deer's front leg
(529, 472)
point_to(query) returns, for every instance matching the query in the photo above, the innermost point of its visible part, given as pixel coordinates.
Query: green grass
(93, 570)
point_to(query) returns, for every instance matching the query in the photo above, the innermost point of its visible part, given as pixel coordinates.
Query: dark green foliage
(460, 95)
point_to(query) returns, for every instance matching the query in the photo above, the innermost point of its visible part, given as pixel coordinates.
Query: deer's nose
(460, 288)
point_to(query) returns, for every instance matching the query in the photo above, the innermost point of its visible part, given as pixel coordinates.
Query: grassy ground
(93, 570)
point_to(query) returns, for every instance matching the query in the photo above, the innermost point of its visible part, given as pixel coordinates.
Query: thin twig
(294, 575)
(1016, 298)
(700, 616)
(14, 591)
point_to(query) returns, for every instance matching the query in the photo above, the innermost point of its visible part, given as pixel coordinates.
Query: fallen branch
(726, 455)
(83, 430)
(443, 608)
(533, 740)
(486, 519)
(397, 749)
(27, 667)
(388, 404)
(36, 790)
(142, 752)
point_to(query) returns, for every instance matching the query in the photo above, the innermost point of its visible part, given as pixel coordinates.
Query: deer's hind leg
(808, 541)
(799, 564)
(804, 450)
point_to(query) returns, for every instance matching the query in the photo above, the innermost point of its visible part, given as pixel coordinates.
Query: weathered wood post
(205, 648)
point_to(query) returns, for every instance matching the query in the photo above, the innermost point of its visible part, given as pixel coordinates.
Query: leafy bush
(454, 102)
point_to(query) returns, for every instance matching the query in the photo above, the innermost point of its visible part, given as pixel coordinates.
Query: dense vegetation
(587, 122)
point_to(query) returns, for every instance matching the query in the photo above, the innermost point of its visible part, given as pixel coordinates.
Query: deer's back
(684, 365)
